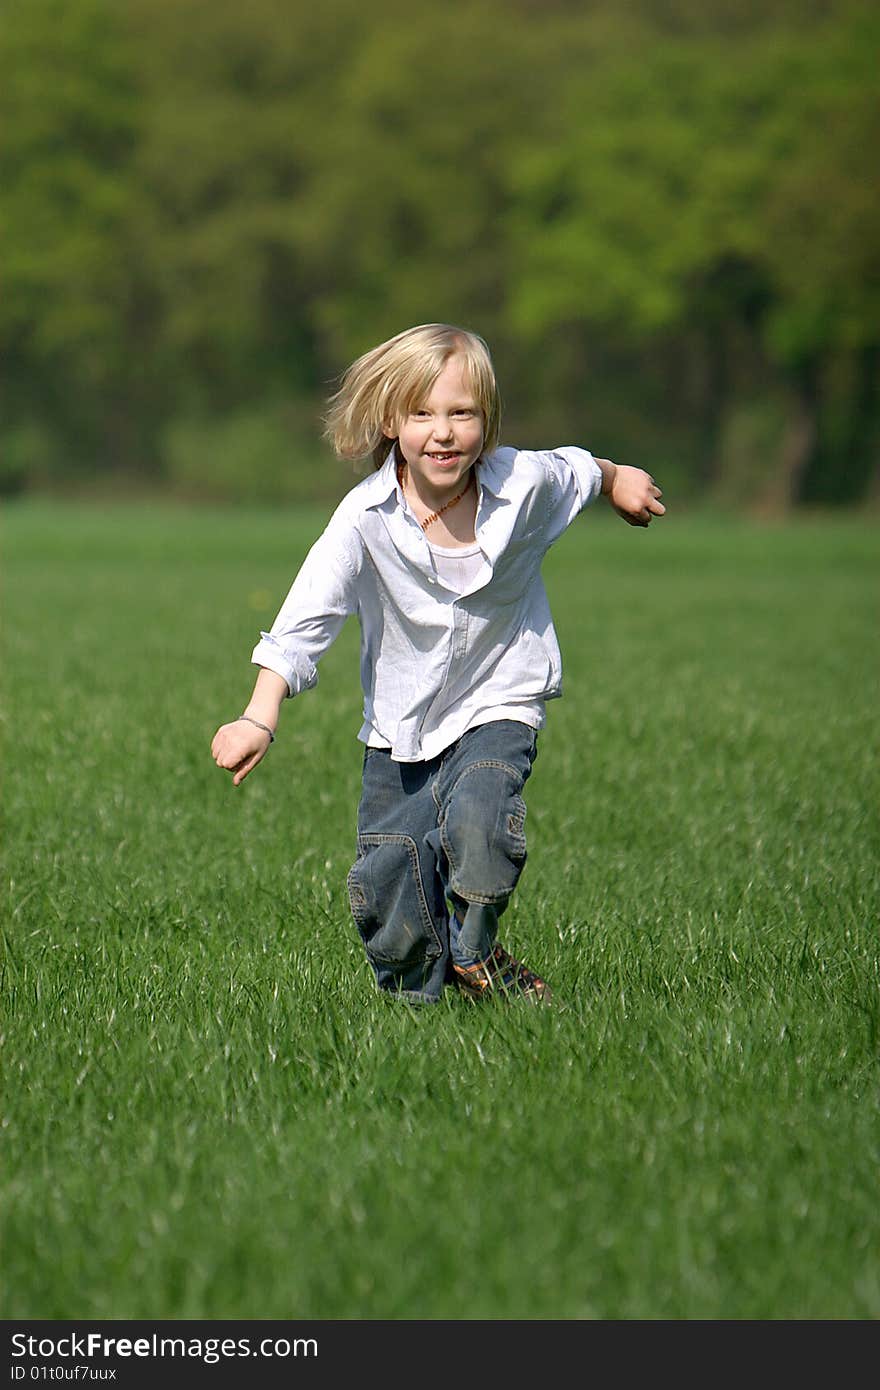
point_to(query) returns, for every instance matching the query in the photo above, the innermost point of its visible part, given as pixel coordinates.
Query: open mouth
(447, 457)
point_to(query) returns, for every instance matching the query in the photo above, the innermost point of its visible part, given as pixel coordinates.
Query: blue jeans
(449, 829)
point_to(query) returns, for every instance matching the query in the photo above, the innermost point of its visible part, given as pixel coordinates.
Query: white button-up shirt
(436, 662)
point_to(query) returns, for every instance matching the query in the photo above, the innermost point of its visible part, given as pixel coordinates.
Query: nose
(442, 428)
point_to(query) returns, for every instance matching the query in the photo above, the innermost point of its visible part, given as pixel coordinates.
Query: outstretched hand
(238, 747)
(635, 496)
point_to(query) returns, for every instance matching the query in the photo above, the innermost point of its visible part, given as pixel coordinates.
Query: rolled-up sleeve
(320, 599)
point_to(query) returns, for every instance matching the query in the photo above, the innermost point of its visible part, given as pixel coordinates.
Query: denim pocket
(388, 902)
(482, 831)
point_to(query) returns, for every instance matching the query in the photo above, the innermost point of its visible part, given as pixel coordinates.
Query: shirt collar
(404, 530)
(383, 482)
(489, 476)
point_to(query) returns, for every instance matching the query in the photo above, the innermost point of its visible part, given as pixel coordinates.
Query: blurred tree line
(663, 216)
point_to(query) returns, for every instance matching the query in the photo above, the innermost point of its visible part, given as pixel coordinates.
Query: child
(439, 554)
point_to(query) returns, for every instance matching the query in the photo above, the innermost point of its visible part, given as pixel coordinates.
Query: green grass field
(208, 1111)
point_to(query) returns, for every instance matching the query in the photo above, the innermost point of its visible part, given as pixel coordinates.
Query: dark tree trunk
(799, 443)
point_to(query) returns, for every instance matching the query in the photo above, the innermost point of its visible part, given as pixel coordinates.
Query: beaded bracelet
(264, 727)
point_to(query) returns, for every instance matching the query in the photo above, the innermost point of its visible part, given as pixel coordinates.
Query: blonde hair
(393, 379)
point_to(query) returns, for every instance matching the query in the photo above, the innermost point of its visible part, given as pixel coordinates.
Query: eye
(419, 414)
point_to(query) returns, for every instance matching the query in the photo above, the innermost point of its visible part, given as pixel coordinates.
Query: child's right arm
(239, 746)
(321, 597)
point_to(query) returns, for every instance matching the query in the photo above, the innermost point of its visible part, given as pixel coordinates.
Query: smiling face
(441, 438)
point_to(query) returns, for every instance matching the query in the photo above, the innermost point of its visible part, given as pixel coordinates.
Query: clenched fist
(238, 747)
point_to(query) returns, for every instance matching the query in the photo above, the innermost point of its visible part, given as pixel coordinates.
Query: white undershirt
(458, 566)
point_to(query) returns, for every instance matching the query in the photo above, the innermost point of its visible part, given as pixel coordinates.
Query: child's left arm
(632, 492)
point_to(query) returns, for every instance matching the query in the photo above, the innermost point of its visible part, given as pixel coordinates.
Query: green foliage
(209, 208)
(254, 456)
(70, 117)
(23, 457)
